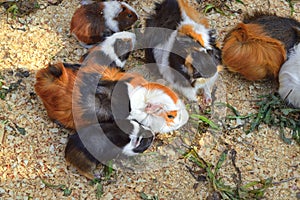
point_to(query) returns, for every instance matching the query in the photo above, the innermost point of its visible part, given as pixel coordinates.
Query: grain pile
(32, 146)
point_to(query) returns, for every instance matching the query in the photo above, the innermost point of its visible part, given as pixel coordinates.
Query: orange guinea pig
(257, 47)
(92, 23)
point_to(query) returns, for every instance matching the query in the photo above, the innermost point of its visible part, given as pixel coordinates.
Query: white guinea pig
(289, 78)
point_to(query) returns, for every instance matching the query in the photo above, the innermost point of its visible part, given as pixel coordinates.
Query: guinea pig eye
(170, 116)
(129, 15)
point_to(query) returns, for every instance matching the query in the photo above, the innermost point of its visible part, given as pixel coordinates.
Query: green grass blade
(205, 120)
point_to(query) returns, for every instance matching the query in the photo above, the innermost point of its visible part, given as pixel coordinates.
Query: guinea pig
(257, 47)
(103, 142)
(113, 94)
(92, 23)
(183, 47)
(289, 78)
(102, 93)
(113, 51)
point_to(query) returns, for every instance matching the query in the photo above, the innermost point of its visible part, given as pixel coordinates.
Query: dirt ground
(32, 146)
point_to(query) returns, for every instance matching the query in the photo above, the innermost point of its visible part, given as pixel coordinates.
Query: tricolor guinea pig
(289, 78)
(103, 142)
(183, 47)
(92, 23)
(96, 94)
(257, 47)
(113, 51)
(113, 94)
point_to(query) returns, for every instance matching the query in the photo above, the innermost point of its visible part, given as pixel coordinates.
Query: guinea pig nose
(144, 144)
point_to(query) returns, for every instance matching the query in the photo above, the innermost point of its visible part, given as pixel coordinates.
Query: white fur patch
(134, 140)
(198, 28)
(108, 45)
(86, 2)
(110, 11)
(289, 78)
(140, 97)
(161, 54)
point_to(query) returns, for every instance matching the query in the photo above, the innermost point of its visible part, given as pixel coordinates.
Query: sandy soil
(29, 43)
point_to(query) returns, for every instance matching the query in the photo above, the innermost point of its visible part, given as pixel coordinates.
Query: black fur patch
(56, 72)
(97, 100)
(280, 28)
(74, 67)
(75, 145)
(160, 26)
(99, 57)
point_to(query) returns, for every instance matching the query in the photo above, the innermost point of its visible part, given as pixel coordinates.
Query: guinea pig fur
(103, 142)
(183, 47)
(54, 86)
(289, 78)
(113, 51)
(92, 23)
(257, 47)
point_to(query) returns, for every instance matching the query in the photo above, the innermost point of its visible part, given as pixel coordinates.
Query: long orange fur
(250, 52)
(56, 93)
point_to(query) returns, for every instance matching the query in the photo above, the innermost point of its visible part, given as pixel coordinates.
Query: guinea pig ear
(242, 32)
(123, 47)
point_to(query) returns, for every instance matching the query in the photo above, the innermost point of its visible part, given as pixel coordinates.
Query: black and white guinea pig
(103, 142)
(258, 46)
(92, 23)
(183, 47)
(113, 51)
(289, 78)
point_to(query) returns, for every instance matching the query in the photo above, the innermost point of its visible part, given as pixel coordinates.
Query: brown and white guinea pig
(101, 94)
(183, 47)
(289, 78)
(92, 23)
(103, 142)
(113, 51)
(257, 47)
